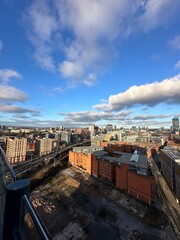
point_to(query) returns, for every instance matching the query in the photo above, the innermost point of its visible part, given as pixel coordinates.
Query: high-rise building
(109, 127)
(43, 146)
(92, 130)
(65, 136)
(16, 149)
(175, 124)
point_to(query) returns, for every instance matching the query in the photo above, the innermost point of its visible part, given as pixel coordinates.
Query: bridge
(24, 166)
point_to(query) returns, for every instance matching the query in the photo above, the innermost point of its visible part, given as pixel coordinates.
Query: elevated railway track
(60, 152)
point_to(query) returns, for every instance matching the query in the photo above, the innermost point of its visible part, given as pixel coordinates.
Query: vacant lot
(74, 205)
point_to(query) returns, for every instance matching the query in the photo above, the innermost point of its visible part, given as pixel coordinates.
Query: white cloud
(177, 65)
(70, 69)
(101, 106)
(86, 34)
(92, 116)
(1, 45)
(147, 117)
(166, 91)
(44, 59)
(7, 74)
(103, 100)
(58, 90)
(175, 43)
(8, 108)
(90, 80)
(8, 93)
(154, 10)
(40, 28)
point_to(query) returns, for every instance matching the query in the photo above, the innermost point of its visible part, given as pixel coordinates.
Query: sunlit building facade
(16, 149)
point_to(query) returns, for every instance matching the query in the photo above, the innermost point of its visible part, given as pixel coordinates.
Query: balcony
(18, 218)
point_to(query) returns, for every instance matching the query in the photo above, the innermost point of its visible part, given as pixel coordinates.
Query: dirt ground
(74, 205)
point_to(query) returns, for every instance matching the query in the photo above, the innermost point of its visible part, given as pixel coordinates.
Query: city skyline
(75, 62)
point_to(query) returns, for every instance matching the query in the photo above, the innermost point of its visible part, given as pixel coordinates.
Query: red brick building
(82, 157)
(129, 172)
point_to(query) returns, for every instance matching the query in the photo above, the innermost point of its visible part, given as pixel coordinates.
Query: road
(173, 208)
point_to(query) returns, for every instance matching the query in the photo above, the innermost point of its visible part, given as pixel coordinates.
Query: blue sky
(77, 62)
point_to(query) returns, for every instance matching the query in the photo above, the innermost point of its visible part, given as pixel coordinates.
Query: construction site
(74, 205)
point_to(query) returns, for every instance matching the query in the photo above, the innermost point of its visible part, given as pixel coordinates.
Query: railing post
(15, 191)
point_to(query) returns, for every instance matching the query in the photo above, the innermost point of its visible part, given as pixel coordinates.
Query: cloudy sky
(77, 62)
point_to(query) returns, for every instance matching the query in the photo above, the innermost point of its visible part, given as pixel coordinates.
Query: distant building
(97, 140)
(170, 167)
(109, 127)
(16, 149)
(175, 124)
(91, 127)
(92, 130)
(43, 146)
(76, 138)
(65, 136)
(134, 128)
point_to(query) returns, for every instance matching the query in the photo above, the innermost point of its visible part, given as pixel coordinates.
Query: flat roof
(87, 149)
(173, 154)
(141, 160)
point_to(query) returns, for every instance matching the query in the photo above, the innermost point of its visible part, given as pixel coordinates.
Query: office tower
(175, 124)
(16, 149)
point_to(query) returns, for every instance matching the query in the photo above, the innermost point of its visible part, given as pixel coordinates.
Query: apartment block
(16, 149)
(170, 168)
(81, 160)
(82, 157)
(43, 146)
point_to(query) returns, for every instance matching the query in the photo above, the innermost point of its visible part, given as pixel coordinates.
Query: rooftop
(134, 159)
(172, 153)
(88, 149)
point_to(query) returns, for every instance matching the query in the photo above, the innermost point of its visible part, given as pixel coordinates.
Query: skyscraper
(175, 124)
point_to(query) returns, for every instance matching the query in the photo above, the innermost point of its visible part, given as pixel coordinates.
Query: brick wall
(140, 186)
(122, 176)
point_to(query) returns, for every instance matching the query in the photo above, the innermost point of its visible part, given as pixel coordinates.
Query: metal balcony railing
(8, 173)
(18, 218)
